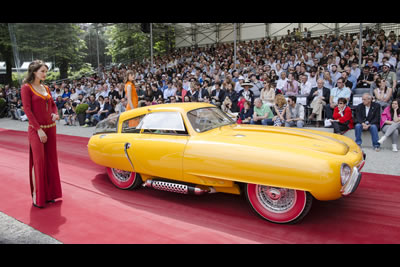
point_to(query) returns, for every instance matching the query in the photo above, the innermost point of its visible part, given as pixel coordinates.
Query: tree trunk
(63, 70)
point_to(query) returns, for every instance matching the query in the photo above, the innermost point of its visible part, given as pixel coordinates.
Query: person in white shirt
(355, 71)
(282, 81)
(334, 73)
(305, 85)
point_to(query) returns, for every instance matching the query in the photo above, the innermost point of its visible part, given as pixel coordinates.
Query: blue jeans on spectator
(374, 134)
(263, 122)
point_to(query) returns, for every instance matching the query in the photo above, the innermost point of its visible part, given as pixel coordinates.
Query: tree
(6, 51)
(59, 42)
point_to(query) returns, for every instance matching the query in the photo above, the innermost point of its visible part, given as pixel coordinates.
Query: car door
(158, 144)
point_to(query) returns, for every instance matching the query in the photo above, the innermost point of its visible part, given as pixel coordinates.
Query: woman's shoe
(394, 148)
(51, 201)
(40, 207)
(383, 138)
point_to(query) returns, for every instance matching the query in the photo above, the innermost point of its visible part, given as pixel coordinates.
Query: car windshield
(204, 119)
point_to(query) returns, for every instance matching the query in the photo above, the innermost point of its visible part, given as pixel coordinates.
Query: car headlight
(345, 173)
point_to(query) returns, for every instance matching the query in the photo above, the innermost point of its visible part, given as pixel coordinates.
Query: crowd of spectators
(263, 88)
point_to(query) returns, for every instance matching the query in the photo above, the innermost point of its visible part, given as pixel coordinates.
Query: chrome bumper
(354, 181)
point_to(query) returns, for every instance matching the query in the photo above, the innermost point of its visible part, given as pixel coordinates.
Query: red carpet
(92, 210)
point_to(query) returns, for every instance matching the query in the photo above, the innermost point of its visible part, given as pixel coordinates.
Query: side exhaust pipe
(176, 187)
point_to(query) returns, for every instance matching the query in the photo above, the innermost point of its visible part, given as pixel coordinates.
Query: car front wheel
(278, 205)
(124, 179)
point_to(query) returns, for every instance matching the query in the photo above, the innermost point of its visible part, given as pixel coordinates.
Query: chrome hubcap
(276, 199)
(121, 175)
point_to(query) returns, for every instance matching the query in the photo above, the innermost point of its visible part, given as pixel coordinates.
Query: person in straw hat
(246, 93)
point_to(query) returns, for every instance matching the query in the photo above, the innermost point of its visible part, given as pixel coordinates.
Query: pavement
(13, 231)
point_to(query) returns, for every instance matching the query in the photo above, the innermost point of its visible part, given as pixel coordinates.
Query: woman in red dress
(42, 113)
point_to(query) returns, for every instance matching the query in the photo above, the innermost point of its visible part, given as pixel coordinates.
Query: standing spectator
(294, 113)
(130, 91)
(390, 124)
(367, 118)
(342, 117)
(41, 111)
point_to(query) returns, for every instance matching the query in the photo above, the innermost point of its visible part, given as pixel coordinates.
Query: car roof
(180, 107)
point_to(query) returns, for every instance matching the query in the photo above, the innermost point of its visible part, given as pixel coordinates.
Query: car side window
(163, 123)
(131, 125)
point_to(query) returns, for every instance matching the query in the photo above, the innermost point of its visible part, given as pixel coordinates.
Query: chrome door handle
(126, 147)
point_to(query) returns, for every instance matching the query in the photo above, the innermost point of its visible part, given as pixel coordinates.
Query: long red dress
(43, 161)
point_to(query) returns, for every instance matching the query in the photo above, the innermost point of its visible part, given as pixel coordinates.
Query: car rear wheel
(124, 179)
(278, 205)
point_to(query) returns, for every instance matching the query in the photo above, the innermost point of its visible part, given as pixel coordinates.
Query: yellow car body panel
(292, 158)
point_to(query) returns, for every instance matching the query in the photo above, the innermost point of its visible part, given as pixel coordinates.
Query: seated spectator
(291, 86)
(367, 118)
(217, 95)
(262, 113)
(336, 93)
(317, 99)
(294, 113)
(94, 107)
(382, 94)
(69, 114)
(390, 124)
(232, 95)
(342, 117)
(246, 93)
(60, 105)
(365, 79)
(268, 94)
(305, 85)
(282, 81)
(246, 114)
(280, 109)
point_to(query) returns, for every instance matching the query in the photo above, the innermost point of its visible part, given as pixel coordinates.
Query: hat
(387, 65)
(247, 83)
(241, 77)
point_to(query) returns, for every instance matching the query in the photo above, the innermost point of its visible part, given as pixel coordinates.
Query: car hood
(279, 137)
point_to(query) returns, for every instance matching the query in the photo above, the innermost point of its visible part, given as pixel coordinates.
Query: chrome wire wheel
(124, 179)
(278, 205)
(276, 199)
(121, 175)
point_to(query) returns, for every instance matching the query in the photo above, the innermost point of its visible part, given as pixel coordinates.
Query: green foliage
(2, 102)
(81, 108)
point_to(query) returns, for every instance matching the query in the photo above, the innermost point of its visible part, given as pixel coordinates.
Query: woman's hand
(42, 136)
(54, 117)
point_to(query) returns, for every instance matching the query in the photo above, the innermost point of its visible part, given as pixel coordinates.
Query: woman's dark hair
(34, 67)
(342, 99)
(391, 108)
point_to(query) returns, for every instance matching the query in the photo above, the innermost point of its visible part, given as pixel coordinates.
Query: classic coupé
(196, 148)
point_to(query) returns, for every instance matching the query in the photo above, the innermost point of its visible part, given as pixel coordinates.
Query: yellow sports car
(195, 148)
